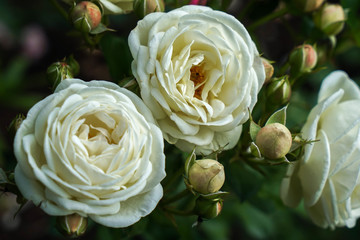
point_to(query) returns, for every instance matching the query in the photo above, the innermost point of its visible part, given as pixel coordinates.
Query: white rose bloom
(91, 148)
(327, 176)
(117, 6)
(199, 73)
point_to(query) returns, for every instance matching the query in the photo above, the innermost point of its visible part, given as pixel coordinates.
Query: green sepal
(100, 29)
(215, 196)
(255, 150)
(278, 117)
(189, 162)
(254, 128)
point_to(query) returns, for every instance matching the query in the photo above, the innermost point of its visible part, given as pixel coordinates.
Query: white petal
(131, 210)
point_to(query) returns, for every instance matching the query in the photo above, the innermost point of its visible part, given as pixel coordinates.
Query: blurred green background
(33, 34)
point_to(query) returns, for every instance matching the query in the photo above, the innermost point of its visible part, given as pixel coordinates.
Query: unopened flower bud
(207, 208)
(144, 7)
(330, 18)
(278, 91)
(308, 5)
(274, 140)
(86, 16)
(206, 176)
(72, 225)
(57, 72)
(15, 124)
(302, 59)
(269, 69)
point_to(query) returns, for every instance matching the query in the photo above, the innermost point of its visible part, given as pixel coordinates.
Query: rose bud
(144, 7)
(278, 92)
(206, 176)
(274, 140)
(85, 16)
(57, 72)
(308, 5)
(269, 69)
(207, 208)
(302, 59)
(72, 225)
(330, 18)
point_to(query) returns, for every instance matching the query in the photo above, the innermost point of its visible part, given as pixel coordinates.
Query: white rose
(327, 176)
(117, 6)
(199, 73)
(91, 148)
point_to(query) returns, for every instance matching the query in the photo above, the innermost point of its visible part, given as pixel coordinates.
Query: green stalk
(176, 197)
(60, 9)
(267, 18)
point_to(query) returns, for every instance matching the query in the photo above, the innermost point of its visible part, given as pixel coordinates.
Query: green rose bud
(72, 225)
(85, 16)
(274, 140)
(308, 5)
(144, 7)
(302, 59)
(269, 69)
(278, 91)
(206, 176)
(330, 19)
(207, 208)
(57, 72)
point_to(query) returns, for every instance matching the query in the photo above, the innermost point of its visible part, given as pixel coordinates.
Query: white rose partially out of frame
(91, 148)
(327, 176)
(206, 112)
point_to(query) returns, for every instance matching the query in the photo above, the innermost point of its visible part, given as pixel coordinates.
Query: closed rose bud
(206, 176)
(144, 7)
(207, 208)
(57, 72)
(278, 91)
(274, 140)
(15, 124)
(269, 69)
(86, 16)
(72, 225)
(330, 18)
(302, 59)
(308, 5)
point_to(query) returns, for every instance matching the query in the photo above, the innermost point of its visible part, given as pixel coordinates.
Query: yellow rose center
(197, 77)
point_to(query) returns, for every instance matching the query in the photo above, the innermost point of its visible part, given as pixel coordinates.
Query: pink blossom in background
(198, 2)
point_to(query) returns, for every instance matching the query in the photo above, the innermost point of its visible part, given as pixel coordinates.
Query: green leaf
(189, 162)
(254, 129)
(278, 117)
(242, 179)
(117, 55)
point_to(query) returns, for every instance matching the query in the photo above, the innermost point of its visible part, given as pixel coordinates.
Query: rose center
(197, 77)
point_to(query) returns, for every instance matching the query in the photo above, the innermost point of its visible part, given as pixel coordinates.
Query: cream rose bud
(199, 73)
(91, 148)
(327, 176)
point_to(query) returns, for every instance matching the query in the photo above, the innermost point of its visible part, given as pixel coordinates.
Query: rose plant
(199, 72)
(327, 176)
(91, 148)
